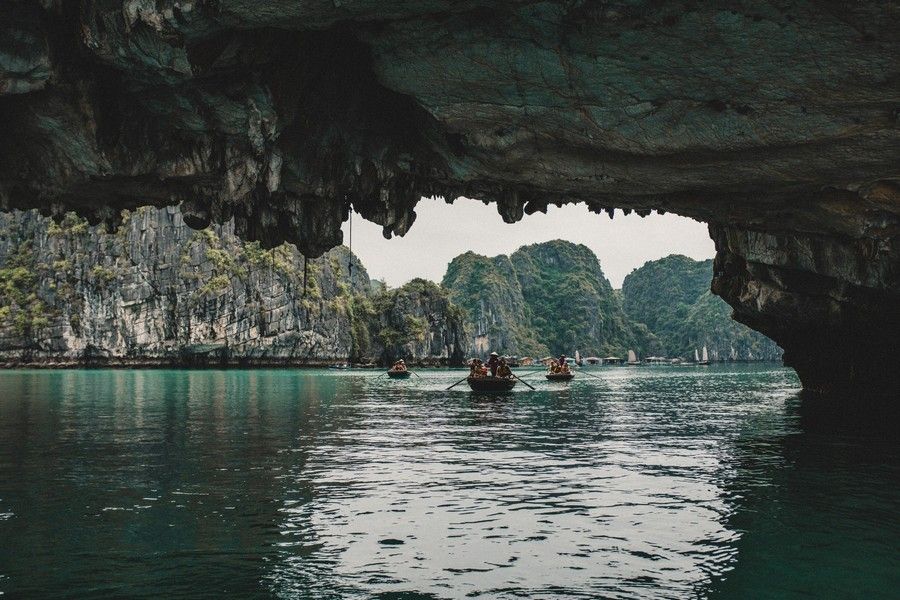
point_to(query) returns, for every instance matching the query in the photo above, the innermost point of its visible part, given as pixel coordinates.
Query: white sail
(696, 355)
(577, 357)
(632, 357)
(705, 355)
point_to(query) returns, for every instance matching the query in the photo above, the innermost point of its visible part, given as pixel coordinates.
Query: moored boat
(705, 358)
(560, 376)
(399, 374)
(491, 384)
(632, 359)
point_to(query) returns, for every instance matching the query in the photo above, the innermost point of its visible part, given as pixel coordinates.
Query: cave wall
(763, 118)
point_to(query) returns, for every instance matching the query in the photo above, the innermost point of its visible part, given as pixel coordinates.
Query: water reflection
(648, 483)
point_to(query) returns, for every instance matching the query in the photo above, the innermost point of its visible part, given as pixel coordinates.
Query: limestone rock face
(158, 292)
(418, 321)
(833, 304)
(763, 118)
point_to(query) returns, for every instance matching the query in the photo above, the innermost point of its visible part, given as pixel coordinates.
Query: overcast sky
(443, 231)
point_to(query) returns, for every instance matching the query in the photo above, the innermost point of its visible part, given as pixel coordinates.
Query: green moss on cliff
(671, 297)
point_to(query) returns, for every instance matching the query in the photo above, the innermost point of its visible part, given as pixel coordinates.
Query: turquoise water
(646, 483)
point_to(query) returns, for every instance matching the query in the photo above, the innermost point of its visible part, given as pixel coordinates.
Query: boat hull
(560, 376)
(399, 374)
(491, 384)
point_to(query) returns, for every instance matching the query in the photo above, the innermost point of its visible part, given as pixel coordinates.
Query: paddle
(416, 374)
(457, 383)
(522, 380)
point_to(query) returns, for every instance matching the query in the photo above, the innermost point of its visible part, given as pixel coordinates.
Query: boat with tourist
(559, 370)
(399, 370)
(490, 383)
(632, 359)
(569, 376)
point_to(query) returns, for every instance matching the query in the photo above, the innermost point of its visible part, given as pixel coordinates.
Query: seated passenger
(400, 365)
(503, 369)
(473, 367)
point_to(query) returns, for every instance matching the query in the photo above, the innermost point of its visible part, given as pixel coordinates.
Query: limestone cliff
(496, 313)
(418, 320)
(544, 298)
(671, 297)
(159, 292)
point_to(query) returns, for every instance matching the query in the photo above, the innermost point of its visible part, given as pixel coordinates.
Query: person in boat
(493, 362)
(563, 364)
(399, 366)
(503, 369)
(554, 366)
(477, 368)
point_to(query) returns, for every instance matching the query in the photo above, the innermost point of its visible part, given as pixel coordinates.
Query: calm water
(648, 483)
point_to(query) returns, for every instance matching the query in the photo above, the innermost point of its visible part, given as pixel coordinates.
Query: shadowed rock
(776, 122)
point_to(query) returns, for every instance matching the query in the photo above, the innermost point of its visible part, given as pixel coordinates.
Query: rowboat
(560, 376)
(399, 374)
(491, 384)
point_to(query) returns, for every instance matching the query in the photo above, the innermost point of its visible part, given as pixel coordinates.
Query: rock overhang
(770, 118)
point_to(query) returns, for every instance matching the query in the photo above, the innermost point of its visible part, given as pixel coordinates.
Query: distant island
(157, 293)
(552, 298)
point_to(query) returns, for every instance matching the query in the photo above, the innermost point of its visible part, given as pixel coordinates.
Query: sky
(443, 231)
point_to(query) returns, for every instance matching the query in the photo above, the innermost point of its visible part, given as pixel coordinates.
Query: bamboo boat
(560, 376)
(399, 374)
(491, 384)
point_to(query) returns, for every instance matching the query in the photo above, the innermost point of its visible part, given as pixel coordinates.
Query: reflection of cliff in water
(814, 500)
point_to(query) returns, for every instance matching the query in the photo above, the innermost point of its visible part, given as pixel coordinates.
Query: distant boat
(705, 358)
(632, 359)
(577, 358)
(696, 356)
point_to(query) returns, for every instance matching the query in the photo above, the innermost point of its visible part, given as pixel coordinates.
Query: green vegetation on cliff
(571, 304)
(545, 298)
(671, 297)
(488, 291)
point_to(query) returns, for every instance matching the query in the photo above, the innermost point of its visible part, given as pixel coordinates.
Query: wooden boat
(399, 374)
(491, 384)
(560, 376)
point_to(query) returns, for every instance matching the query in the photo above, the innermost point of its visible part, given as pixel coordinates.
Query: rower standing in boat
(493, 362)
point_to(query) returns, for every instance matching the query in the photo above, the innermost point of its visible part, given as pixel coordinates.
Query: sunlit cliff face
(776, 122)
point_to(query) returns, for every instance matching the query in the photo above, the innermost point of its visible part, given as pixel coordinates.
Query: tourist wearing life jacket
(400, 365)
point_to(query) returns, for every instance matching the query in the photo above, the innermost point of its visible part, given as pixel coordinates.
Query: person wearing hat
(400, 365)
(493, 362)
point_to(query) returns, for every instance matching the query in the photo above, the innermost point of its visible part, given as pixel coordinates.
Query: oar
(457, 383)
(416, 374)
(522, 380)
